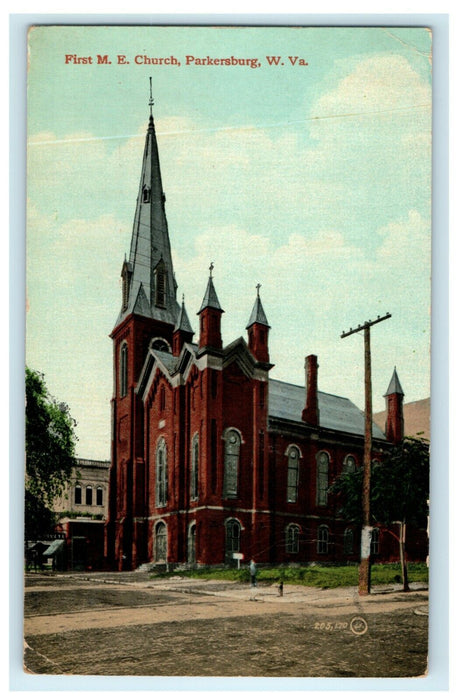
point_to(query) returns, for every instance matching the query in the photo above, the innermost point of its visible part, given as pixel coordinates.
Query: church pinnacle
(149, 287)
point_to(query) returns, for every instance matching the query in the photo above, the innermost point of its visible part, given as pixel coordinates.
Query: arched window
(123, 370)
(78, 495)
(348, 541)
(89, 495)
(233, 531)
(192, 544)
(322, 478)
(322, 543)
(292, 539)
(161, 543)
(349, 465)
(231, 463)
(375, 541)
(160, 344)
(99, 496)
(293, 473)
(161, 473)
(194, 468)
(160, 274)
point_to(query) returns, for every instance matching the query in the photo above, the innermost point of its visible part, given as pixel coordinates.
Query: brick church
(211, 457)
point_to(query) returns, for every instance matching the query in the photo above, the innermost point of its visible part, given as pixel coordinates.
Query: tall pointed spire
(149, 288)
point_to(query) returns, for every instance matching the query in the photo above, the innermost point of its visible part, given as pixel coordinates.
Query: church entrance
(160, 551)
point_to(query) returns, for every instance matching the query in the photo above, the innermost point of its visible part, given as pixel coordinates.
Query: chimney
(310, 414)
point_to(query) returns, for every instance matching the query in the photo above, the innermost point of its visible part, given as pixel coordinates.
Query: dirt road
(124, 625)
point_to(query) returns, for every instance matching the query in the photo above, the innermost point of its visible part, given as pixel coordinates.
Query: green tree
(399, 492)
(50, 443)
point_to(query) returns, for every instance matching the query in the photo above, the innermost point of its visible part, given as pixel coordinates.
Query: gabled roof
(286, 401)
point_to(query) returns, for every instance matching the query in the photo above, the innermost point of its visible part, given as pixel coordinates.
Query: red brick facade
(210, 457)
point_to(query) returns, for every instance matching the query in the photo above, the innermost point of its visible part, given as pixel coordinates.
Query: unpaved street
(127, 624)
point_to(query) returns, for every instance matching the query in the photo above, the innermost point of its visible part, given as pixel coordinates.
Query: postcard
(228, 351)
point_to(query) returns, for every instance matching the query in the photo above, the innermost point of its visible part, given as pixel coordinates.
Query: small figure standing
(280, 589)
(253, 573)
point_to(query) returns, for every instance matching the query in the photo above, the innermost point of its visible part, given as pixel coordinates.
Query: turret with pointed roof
(258, 330)
(210, 313)
(182, 333)
(394, 396)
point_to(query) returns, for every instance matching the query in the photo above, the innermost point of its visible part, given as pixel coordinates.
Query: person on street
(253, 573)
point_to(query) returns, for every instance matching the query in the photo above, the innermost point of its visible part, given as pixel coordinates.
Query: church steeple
(149, 287)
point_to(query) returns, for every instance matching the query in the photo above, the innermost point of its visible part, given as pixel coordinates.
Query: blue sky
(311, 180)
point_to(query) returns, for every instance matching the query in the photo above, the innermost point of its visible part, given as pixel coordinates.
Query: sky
(311, 177)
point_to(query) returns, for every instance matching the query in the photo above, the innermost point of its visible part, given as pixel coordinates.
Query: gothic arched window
(322, 478)
(161, 542)
(349, 464)
(233, 530)
(161, 473)
(194, 468)
(293, 473)
(322, 542)
(292, 539)
(231, 463)
(123, 370)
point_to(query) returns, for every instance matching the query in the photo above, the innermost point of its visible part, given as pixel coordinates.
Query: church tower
(394, 396)
(148, 316)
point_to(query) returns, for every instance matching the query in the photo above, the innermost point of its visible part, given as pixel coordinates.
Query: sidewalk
(320, 597)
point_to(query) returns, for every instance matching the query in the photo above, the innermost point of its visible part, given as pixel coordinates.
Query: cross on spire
(151, 101)
(211, 269)
(258, 287)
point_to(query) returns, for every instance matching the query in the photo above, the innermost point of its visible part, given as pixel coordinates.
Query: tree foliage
(50, 444)
(399, 486)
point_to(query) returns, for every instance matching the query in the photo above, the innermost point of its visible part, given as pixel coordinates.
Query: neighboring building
(87, 494)
(417, 419)
(78, 542)
(211, 457)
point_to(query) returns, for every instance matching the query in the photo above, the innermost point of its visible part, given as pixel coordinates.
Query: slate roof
(394, 386)
(287, 401)
(257, 314)
(210, 298)
(183, 323)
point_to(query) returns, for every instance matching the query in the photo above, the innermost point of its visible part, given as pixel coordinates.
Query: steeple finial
(151, 101)
(258, 287)
(211, 270)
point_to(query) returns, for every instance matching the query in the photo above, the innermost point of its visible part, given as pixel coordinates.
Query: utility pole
(366, 532)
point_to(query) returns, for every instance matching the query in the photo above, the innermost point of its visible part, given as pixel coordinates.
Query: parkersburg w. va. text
(144, 60)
